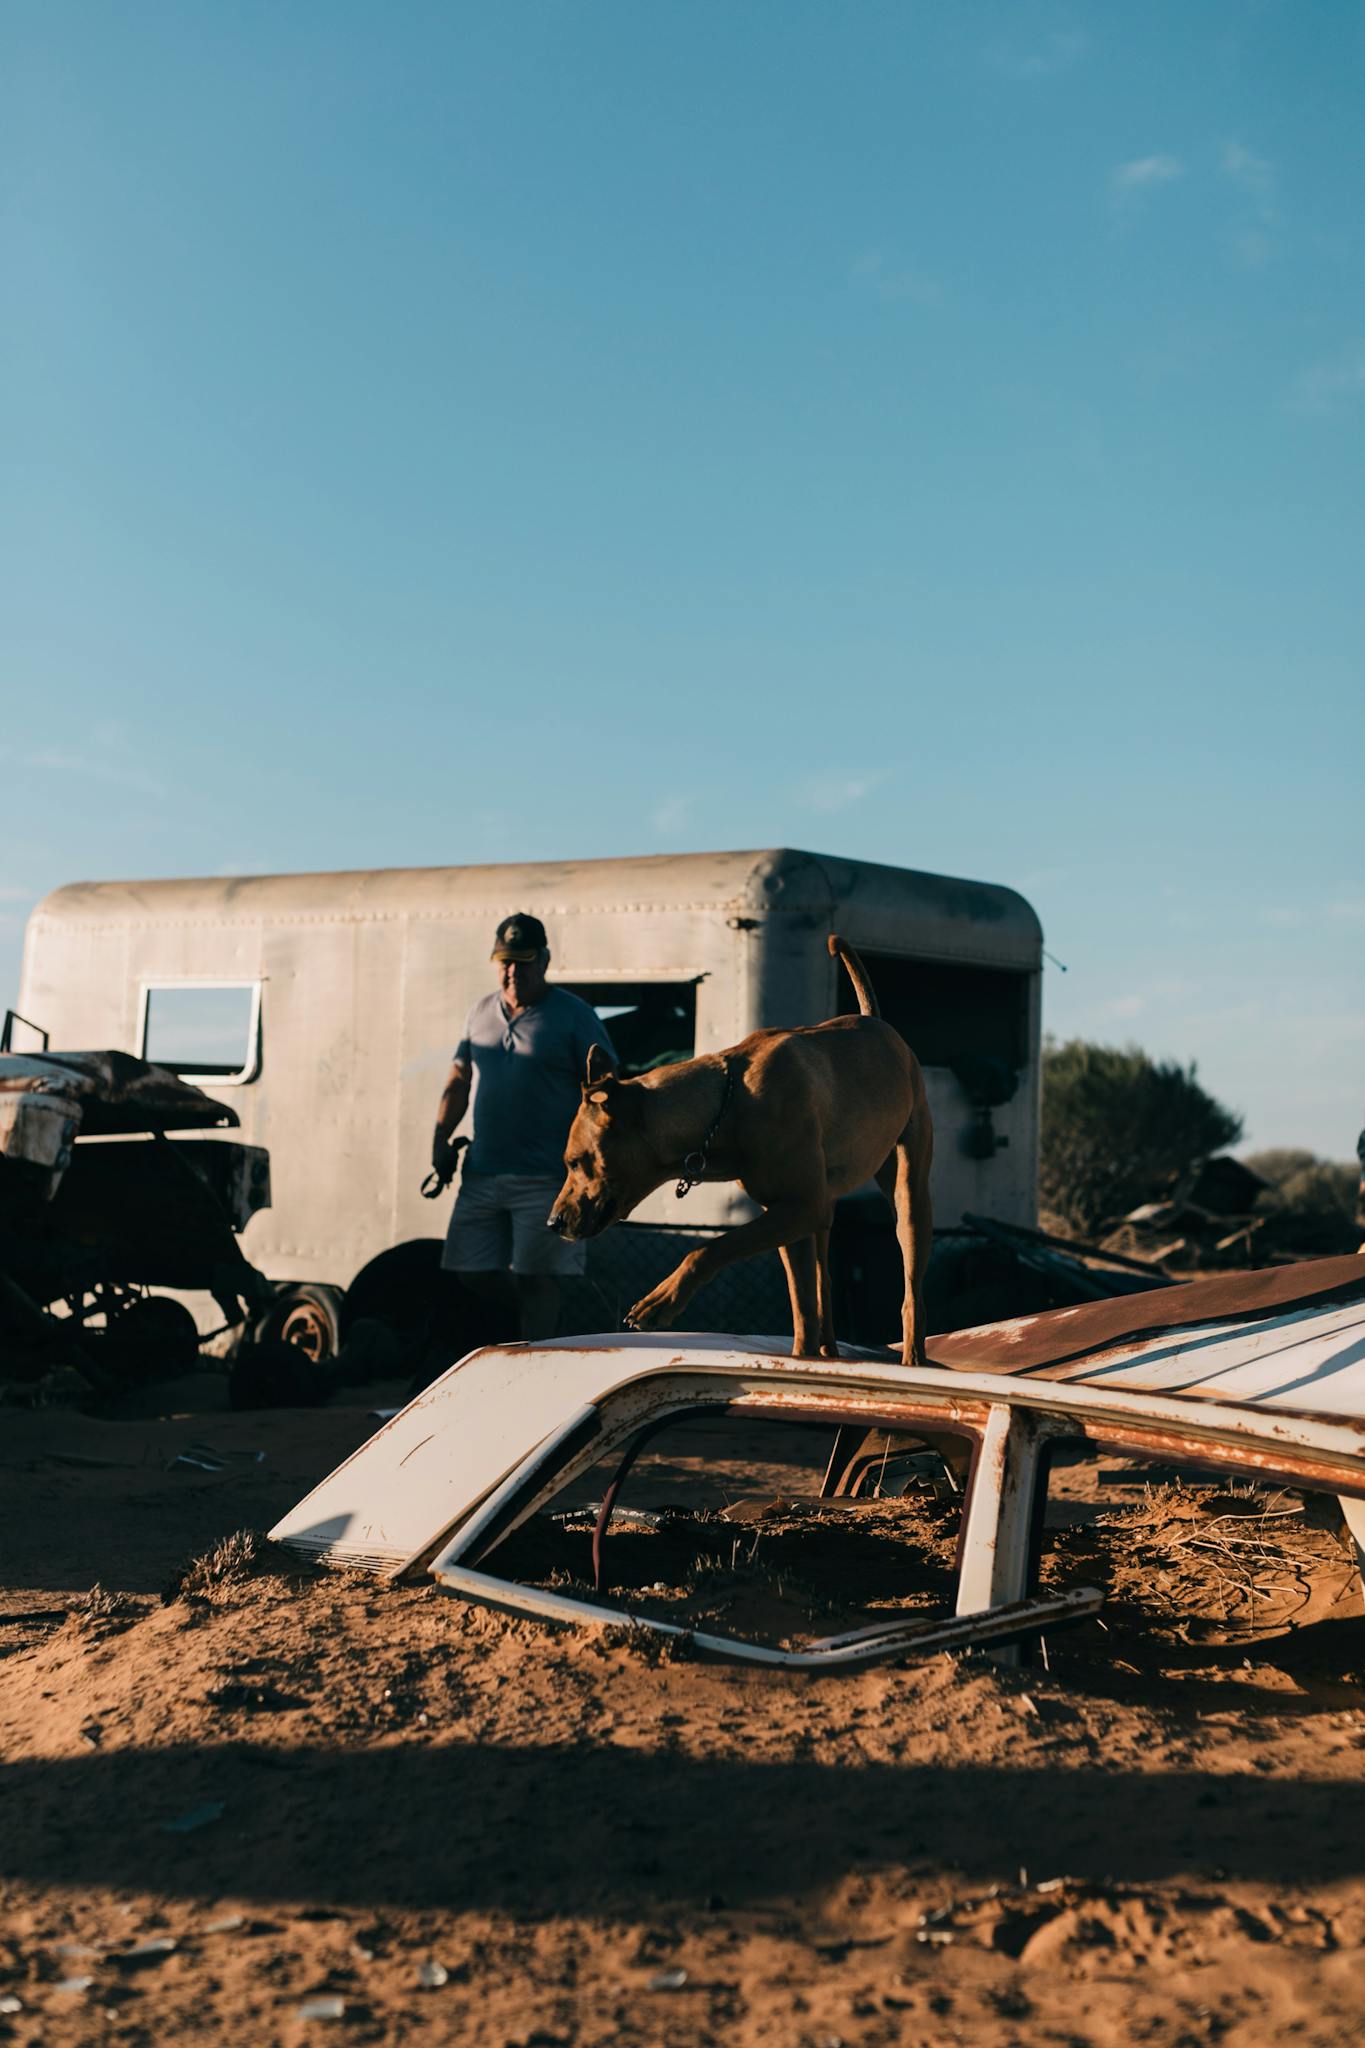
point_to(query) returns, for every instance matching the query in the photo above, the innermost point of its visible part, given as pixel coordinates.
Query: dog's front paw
(655, 1312)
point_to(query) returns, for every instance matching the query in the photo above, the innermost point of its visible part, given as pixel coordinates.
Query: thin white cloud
(830, 793)
(1253, 178)
(1252, 248)
(1336, 910)
(894, 281)
(673, 814)
(1255, 174)
(97, 767)
(1140, 173)
(1325, 387)
(1059, 53)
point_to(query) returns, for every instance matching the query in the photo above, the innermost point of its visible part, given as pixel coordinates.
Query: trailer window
(204, 1031)
(652, 1023)
(947, 1014)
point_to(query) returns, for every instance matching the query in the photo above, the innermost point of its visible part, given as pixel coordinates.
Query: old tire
(273, 1374)
(306, 1314)
(398, 1287)
(153, 1339)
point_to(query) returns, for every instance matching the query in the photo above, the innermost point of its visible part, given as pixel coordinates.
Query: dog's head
(609, 1165)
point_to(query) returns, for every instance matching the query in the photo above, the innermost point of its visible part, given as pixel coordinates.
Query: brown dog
(798, 1118)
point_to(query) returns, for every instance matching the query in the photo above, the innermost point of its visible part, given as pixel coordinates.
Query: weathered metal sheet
(1058, 1337)
(365, 979)
(47, 1100)
(487, 1443)
(427, 1471)
(852, 1651)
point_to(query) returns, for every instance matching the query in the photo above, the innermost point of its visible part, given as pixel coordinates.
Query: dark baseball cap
(520, 937)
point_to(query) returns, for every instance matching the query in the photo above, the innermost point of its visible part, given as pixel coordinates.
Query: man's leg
(498, 1287)
(538, 1301)
(478, 1247)
(540, 1257)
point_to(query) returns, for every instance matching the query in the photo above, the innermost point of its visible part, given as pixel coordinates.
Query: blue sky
(933, 434)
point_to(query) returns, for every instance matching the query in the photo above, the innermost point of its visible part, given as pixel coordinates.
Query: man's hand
(445, 1154)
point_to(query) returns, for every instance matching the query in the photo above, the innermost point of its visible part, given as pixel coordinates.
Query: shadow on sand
(536, 1831)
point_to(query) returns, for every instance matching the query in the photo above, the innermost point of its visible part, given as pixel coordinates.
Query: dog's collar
(694, 1165)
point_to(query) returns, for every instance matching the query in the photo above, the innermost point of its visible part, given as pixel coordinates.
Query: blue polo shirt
(527, 1080)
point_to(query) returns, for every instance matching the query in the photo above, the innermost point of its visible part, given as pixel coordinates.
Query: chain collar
(694, 1165)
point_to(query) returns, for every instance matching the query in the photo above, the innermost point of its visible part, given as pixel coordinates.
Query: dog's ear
(600, 1074)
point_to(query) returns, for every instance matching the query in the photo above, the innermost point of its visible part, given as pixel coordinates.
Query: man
(521, 1062)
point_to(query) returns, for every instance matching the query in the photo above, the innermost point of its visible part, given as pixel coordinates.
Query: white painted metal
(470, 1436)
(1308, 1359)
(366, 978)
(999, 1513)
(446, 1468)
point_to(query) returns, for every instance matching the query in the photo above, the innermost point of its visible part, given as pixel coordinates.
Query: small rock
(9, 2003)
(431, 1976)
(323, 2009)
(76, 1951)
(229, 1924)
(74, 1984)
(668, 1980)
(154, 1950)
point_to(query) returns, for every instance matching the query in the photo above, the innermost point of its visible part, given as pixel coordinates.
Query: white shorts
(499, 1221)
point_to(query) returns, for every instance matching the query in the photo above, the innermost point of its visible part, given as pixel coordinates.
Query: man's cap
(520, 937)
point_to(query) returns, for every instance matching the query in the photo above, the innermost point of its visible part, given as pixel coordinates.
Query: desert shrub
(1310, 1201)
(231, 1562)
(1118, 1126)
(103, 1609)
(1280, 1163)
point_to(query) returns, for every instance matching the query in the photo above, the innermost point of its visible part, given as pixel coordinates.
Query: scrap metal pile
(98, 1204)
(1258, 1377)
(1222, 1213)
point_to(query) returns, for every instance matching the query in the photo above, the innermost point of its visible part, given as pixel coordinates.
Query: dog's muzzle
(589, 1220)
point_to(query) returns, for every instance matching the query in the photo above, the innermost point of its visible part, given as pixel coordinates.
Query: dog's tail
(857, 974)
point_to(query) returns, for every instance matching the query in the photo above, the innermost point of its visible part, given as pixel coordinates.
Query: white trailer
(324, 1008)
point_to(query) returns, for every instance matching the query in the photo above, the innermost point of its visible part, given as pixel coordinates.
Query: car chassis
(1258, 1376)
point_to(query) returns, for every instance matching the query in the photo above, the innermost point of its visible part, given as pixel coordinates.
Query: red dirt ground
(1160, 1839)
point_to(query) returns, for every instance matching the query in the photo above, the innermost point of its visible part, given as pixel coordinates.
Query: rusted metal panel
(1069, 1342)
(851, 1651)
(47, 1100)
(485, 1438)
(509, 1428)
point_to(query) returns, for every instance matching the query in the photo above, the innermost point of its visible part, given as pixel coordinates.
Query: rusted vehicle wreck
(1255, 1376)
(98, 1206)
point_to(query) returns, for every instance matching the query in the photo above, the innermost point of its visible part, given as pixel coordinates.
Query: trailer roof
(775, 881)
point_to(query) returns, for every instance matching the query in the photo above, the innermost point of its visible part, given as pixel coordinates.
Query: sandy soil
(230, 1796)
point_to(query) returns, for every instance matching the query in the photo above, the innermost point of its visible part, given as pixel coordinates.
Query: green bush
(1117, 1128)
(1310, 1201)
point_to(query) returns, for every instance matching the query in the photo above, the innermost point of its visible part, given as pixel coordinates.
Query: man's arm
(454, 1103)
